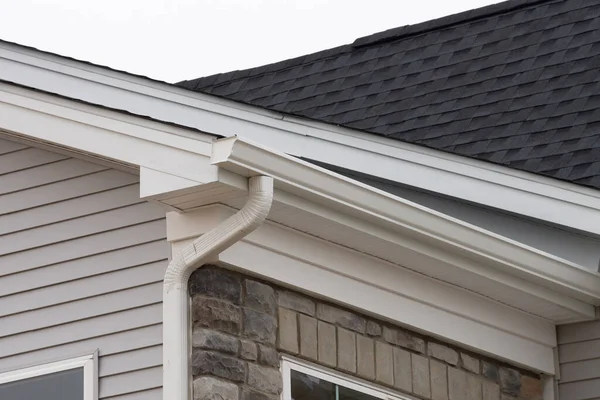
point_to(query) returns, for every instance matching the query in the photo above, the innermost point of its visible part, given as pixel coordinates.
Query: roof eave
(489, 250)
(535, 196)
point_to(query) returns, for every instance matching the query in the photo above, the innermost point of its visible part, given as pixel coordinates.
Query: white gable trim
(495, 186)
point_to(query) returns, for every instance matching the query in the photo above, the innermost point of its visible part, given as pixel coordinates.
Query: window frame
(289, 364)
(87, 362)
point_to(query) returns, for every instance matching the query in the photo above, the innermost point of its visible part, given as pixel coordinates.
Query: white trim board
(518, 192)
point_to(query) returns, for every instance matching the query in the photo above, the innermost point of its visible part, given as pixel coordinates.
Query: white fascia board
(491, 250)
(379, 288)
(504, 188)
(174, 159)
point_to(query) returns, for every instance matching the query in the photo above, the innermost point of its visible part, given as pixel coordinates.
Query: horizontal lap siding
(81, 267)
(579, 357)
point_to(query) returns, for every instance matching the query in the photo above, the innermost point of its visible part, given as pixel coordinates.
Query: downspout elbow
(176, 377)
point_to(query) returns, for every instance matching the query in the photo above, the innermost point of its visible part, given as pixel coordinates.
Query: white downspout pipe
(176, 353)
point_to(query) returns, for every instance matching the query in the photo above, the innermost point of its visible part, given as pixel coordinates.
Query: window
(72, 379)
(304, 381)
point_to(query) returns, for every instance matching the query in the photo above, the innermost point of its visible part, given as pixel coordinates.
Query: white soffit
(484, 183)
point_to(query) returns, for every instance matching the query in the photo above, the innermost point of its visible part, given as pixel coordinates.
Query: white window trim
(88, 363)
(290, 364)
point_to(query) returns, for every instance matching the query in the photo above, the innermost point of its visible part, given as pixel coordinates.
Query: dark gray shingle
(516, 83)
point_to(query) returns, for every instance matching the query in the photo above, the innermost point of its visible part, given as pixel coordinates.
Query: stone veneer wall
(241, 325)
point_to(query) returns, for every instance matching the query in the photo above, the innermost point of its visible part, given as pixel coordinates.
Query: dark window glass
(64, 385)
(306, 387)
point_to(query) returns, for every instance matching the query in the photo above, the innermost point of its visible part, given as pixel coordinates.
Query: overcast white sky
(173, 40)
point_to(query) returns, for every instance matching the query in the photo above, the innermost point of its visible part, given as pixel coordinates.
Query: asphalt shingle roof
(516, 83)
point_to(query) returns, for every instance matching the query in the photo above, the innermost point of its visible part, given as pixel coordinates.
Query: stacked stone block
(233, 337)
(241, 327)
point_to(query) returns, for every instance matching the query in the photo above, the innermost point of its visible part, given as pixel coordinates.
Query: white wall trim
(484, 183)
(87, 362)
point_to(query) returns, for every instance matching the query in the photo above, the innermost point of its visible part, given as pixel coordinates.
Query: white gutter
(176, 350)
(313, 183)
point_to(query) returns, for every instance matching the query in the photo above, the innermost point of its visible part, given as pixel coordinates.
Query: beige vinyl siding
(579, 357)
(81, 265)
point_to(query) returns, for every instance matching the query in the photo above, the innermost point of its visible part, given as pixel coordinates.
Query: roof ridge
(443, 22)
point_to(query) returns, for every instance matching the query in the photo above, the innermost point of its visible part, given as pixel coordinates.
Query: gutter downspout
(176, 353)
